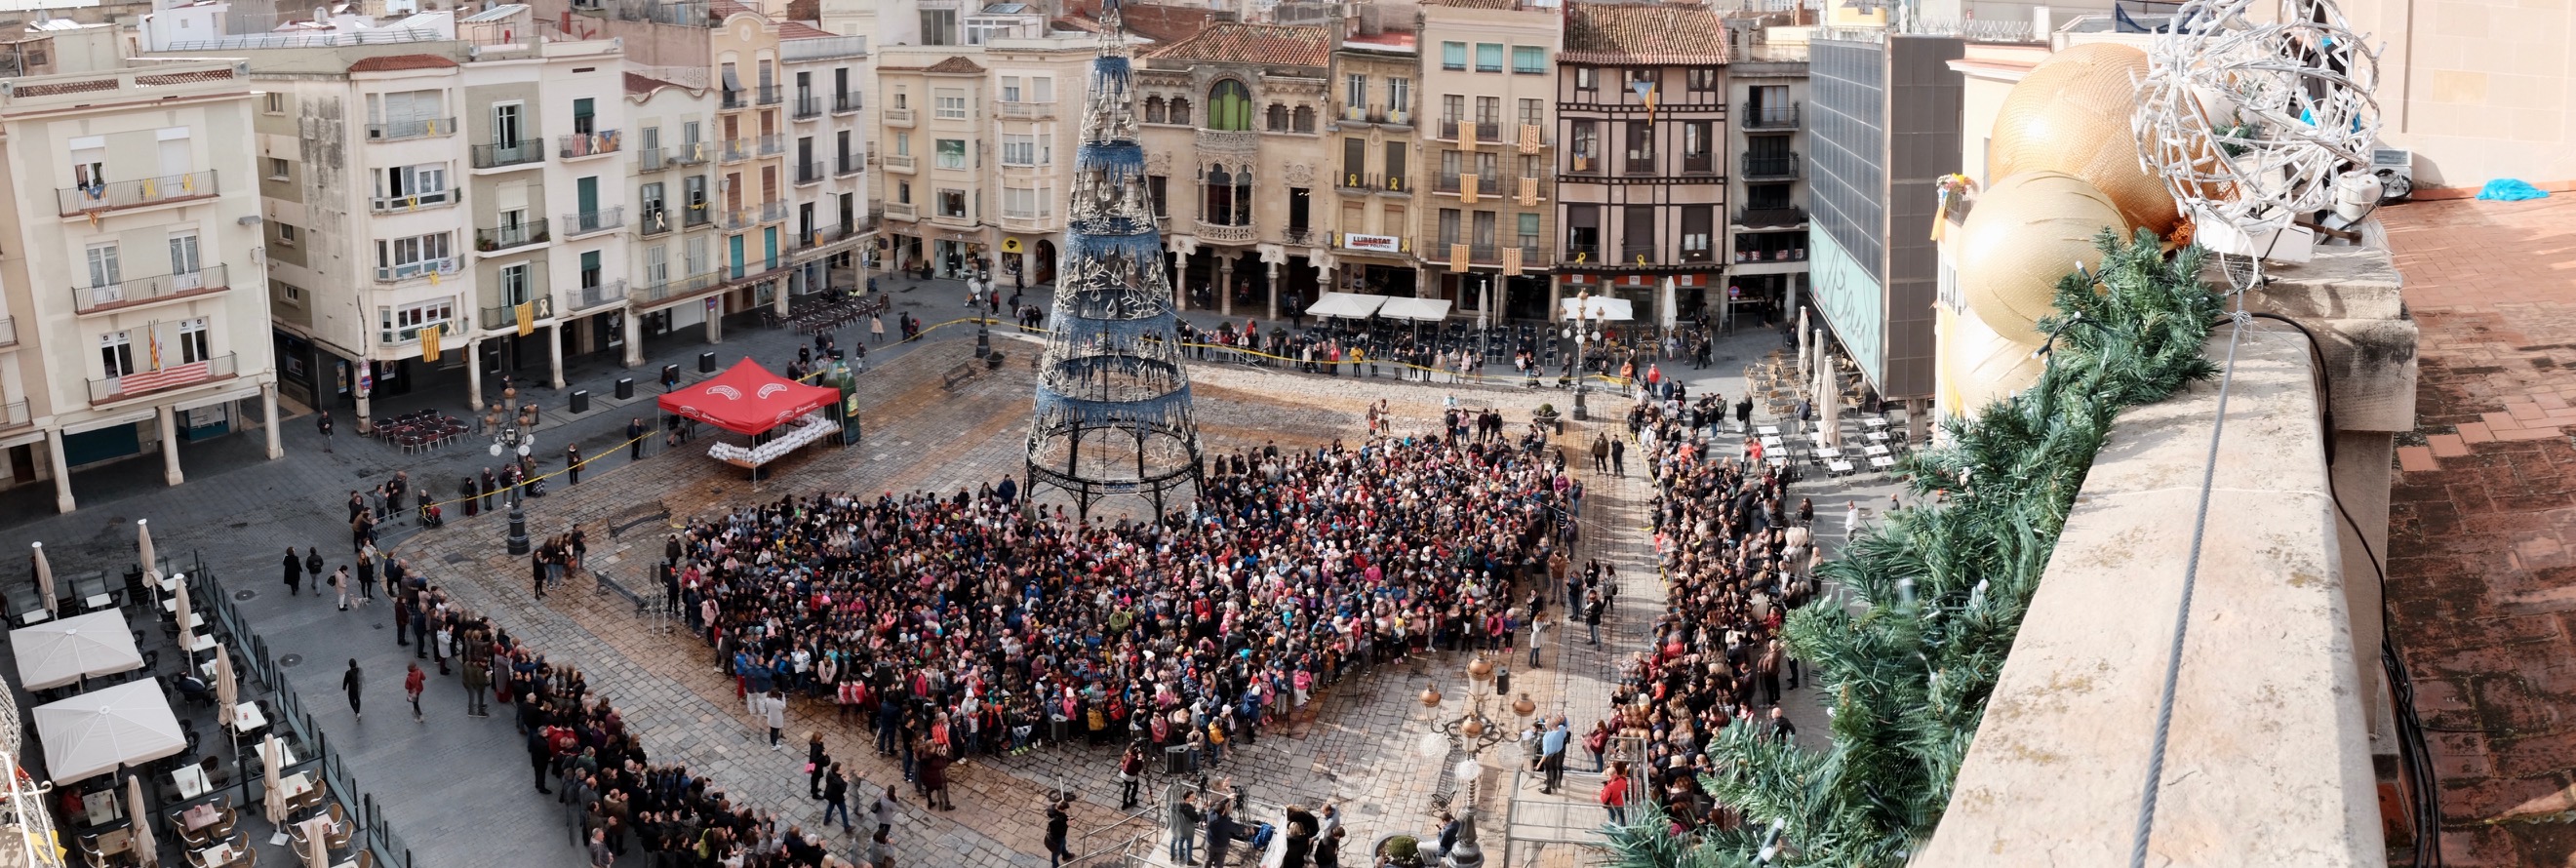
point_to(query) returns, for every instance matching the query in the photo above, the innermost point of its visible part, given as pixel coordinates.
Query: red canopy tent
(748, 399)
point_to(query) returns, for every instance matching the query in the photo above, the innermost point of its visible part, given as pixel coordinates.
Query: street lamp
(512, 438)
(1470, 733)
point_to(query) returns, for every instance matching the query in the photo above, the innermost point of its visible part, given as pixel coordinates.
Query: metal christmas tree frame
(1113, 398)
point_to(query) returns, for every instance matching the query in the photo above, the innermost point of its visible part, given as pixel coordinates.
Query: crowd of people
(964, 625)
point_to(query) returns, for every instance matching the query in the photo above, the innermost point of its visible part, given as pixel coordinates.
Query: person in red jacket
(1614, 793)
(413, 681)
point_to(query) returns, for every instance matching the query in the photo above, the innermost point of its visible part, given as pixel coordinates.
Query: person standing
(883, 811)
(313, 568)
(340, 584)
(572, 464)
(1600, 453)
(1058, 823)
(323, 423)
(477, 677)
(1618, 457)
(635, 432)
(1185, 829)
(1614, 793)
(413, 681)
(537, 585)
(771, 707)
(1592, 609)
(294, 572)
(1538, 631)
(367, 573)
(1552, 756)
(540, 757)
(836, 797)
(817, 764)
(600, 854)
(1131, 770)
(354, 682)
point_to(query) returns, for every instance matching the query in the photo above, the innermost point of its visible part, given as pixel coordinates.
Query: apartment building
(1766, 264)
(1234, 152)
(1642, 111)
(1376, 67)
(1884, 125)
(133, 301)
(974, 180)
(1489, 89)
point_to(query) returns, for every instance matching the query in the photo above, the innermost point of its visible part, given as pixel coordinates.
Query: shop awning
(748, 399)
(1423, 309)
(1599, 308)
(1345, 305)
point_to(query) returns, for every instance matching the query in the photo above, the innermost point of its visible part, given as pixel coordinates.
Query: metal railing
(683, 287)
(1630, 253)
(12, 415)
(701, 215)
(734, 150)
(594, 296)
(172, 375)
(138, 290)
(1770, 117)
(413, 201)
(577, 145)
(653, 221)
(507, 236)
(541, 307)
(1770, 166)
(734, 99)
(807, 107)
(809, 172)
(651, 159)
(111, 195)
(691, 153)
(772, 145)
(524, 152)
(773, 211)
(846, 103)
(8, 331)
(444, 265)
(586, 222)
(768, 94)
(741, 218)
(418, 128)
(849, 164)
(1793, 254)
(1022, 111)
(1761, 217)
(1483, 186)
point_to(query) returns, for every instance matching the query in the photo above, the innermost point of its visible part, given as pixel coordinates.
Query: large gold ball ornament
(2025, 233)
(1991, 369)
(2071, 115)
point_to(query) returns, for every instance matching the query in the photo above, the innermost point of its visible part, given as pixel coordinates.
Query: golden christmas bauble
(2071, 114)
(2024, 234)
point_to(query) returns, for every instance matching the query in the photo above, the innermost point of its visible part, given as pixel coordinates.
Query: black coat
(294, 570)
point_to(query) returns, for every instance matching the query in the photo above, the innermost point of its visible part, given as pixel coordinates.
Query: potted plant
(1547, 416)
(1400, 851)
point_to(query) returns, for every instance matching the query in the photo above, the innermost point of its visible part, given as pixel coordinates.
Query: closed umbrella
(143, 541)
(1671, 302)
(145, 849)
(317, 843)
(184, 616)
(227, 694)
(272, 799)
(45, 581)
(1828, 392)
(1802, 342)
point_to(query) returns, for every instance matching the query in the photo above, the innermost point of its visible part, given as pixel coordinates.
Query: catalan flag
(1645, 90)
(429, 341)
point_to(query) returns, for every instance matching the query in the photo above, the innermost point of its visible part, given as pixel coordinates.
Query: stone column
(474, 374)
(634, 338)
(778, 300)
(715, 321)
(63, 501)
(167, 419)
(554, 354)
(1501, 298)
(1225, 286)
(1555, 300)
(365, 404)
(1180, 284)
(1272, 284)
(268, 419)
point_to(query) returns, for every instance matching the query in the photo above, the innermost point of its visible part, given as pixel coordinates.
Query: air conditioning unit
(2395, 169)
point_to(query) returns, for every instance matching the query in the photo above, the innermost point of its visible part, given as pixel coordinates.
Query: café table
(191, 779)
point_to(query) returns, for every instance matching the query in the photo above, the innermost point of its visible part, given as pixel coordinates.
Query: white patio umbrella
(1670, 310)
(272, 799)
(96, 732)
(1484, 303)
(56, 653)
(181, 614)
(1828, 392)
(227, 693)
(143, 541)
(317, 843)
(145, 848)
(1802, 342)
(45, 580)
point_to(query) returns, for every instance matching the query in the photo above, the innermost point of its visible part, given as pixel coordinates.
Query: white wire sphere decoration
(2250, 121)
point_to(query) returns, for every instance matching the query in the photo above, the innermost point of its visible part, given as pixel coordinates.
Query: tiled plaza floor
(2482, 576)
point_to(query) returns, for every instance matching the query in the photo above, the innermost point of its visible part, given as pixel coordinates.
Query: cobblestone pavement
(2481, 517)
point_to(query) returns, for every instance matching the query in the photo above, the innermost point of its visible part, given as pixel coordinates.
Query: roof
(1613, 34)
(637, 85)
(802, 30)
(723, 9)
(1474, 4)
(955, 66)
(396, 62)
(1236, 42)
(502, 12)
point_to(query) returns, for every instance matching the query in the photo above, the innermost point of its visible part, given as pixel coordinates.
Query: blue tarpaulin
(2511, 190)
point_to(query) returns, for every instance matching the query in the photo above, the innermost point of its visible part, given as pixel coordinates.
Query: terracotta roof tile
(1475, 4)
(955, 66)
(394, 62)
(637, 85)
(723, 9)
(1236, 42)
(1618, 33)
(802, 30)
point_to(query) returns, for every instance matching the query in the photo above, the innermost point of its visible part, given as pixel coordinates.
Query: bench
(648, 511)
(956, 375)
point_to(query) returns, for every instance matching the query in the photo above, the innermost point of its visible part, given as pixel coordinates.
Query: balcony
(1533, 137)
(8, 331)
(1482, 131)
(1027, 111)
(14, 414)
(1242, 142)
(1463, 184)
(1749, 257)
(690, 154)
(697, 215)
(1214, 233)
(807, 108)
(662, 290)
(594, 296)
(1358, 184)
(582, 223)
(115, 195)
(419, 128)
(809, 172)
(1631, 254)
(653, 221)
(829, 236)
(769, 94)
(442, 266)
(1304, 238)
(773, 212)
(1587, 254)
(110, 390)
(734, 150)
(148, 290)
(845, 103)
(899, 211)
(541, 307)
(898, 162)
(527, 151)
(1761, 218)
(413, 201)
(734, 100)
(652, 159)
(738, 219)
(580, 145)
(898, 117)
(511, 236)
(1769, 117)
(1770, 166)
(958, 221)
(773, 145)
(1027, 222)
(849, 164)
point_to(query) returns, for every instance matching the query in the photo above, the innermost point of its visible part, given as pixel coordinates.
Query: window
(89, 165)
(903, 192)
(1276, 119)
(1769, 102)
(657, 265)
(1448, 229)
(400, 258)
(405, 114)
(1587, 146)
(1042, 88)
(1697, 151)
(514, 285)
(1302, 120)
(1489, 57)
(1154, 113)
(1399, 94)
(1010, 88)
(1702, 79)
(1641, 148)
(1587, 79)
(1027, 203)
(1022, 149)
(277, 169)
(590, 270)
(584, 121)
(1354, 162)
(1484, 229)
(1533, 112)
(1453, 108)
(1583, 233)
(404, 323)
(950, 103)
(952, 153)
(1155, 188)
(1529, 166)
(286, 235)
(1697, 224)
(952, 203)
(1453, 55)
(1355, 91)
(275, 103)
(1766, 195)
(1528, 230)
(411, 186)
(1229, 106)
(1637, 77)
(1489, 110)
(184, 259)
(648, 200)
(290, 293)
(903, 144)
(1180, 111)
(1395, 154)
(194, 345)
(1637, 234)
(1451, 164)
(1529, 59)
(116, 354)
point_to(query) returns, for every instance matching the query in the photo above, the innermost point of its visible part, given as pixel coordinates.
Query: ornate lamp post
(515, 438)
(1470, 733)
(1583, 337)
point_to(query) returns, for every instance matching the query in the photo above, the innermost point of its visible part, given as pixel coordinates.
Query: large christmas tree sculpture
(1113, 400)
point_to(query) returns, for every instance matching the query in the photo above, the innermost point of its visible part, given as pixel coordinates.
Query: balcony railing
(170, 376)
(1357, 182)
(691, 153)
(899, 211)
(652, 159)
(773, 212)
(735, 150)
(112, 195)
(849, 164)
(1631, 254)
(578, 145)
(769, 94)
(525, 151)
(8, 331)
(1767, 217)
(445, 265)
(653, 291)
(736, 219)
(1460, 183)
(898, 162)
(1485, 132)
(412, 201)
(901, 117)
(845, 103)
(1749, 257)
(772, 145)
(1588, 254)
(14, 414)
(653, 221)
(1770, 117)
(412, 129)
(581, 223)
(541, 307)
(1229, 141)
(1026, 111)
(809, 172)
(1770, 166)
(594, 296)
(807, 107)
(504, 237)
(825, 236)
(700, 215)
(1303, 238)
(203, 281)
(734, 99)
(1217, 233)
